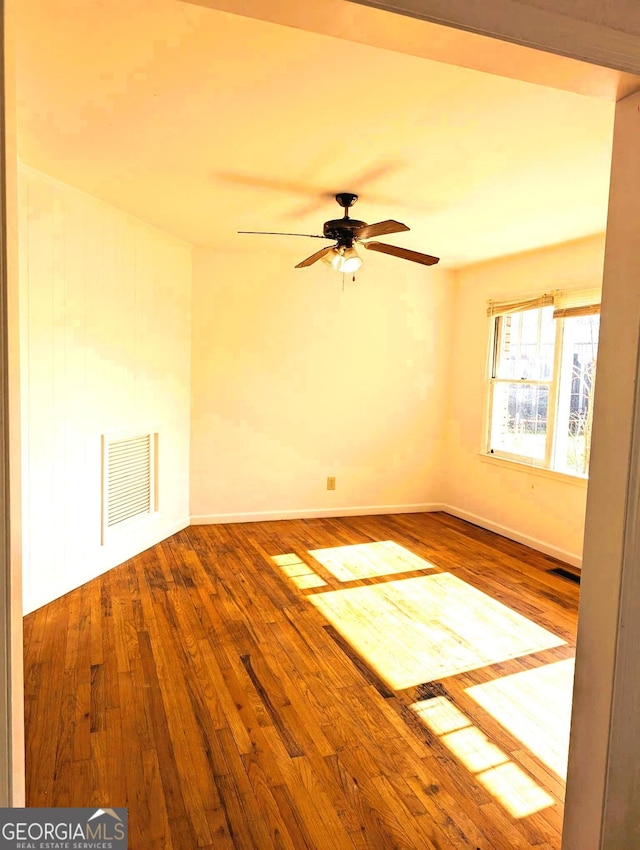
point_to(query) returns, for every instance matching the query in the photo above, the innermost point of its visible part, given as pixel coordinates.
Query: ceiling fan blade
(276, 233)
(380, 228)
(404, 253)
(315, 257)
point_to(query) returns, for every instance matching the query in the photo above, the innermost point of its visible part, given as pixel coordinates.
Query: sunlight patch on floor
(300, 573)
(535, 707)
(367, 560)
(423, 629)
(514, 789)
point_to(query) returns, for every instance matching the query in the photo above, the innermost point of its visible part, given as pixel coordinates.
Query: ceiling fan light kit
(343, 260)
(346, 232)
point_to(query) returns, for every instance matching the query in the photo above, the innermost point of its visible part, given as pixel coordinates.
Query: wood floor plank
(65, 741)
(153, 821)
(247, 824)
(219, 827)
(195, 781)
(313, 803)
(201, 685)
(172, 795)
(44, 710)
(99, 780)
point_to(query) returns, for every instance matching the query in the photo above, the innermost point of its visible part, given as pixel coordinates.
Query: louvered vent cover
(129, 467)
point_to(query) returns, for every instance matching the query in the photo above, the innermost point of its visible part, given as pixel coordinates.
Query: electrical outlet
(331, 483)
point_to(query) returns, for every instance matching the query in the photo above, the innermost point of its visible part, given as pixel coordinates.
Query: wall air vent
(129, 480)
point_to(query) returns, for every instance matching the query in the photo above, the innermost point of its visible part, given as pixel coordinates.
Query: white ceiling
(203, 123)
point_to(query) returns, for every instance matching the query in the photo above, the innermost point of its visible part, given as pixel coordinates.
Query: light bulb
(333, 258)
(350, 261)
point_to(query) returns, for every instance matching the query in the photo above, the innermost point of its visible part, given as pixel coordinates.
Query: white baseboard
(310, 513)
(372, 510)
(512, 534)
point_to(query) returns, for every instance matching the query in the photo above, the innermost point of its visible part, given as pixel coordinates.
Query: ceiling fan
(346, 232)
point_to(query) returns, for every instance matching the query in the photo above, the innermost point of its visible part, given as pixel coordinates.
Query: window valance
(570, 302)
(576, 302)
(499, 308)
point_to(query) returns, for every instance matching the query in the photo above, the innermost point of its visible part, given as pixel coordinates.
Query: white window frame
(496, 319)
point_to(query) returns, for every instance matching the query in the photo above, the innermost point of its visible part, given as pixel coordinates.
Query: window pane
(519, 419)
(575, 405)
(525, 345)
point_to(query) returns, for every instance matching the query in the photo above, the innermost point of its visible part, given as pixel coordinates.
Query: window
(542, 379)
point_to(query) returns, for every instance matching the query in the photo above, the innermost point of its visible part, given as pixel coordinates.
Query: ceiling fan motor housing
(342, 230)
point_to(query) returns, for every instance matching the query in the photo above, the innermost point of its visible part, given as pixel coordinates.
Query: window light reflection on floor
(492, 767)
(535, 707)
(426, 628)
(300, 573)
(368, 560)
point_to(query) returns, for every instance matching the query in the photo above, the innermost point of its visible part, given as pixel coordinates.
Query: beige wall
(541, 509)
(295, 380)
(105, 336)
(375, 385)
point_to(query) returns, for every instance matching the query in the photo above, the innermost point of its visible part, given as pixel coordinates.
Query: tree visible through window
(542, 384)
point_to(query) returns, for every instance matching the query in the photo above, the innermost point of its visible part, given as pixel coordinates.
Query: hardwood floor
(368, 682)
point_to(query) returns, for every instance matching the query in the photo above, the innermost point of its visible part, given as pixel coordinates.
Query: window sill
(530, 468)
